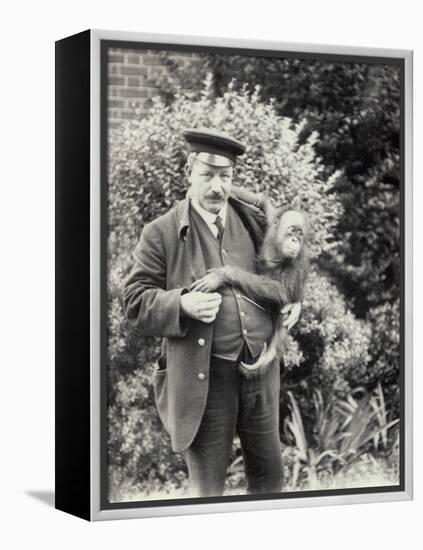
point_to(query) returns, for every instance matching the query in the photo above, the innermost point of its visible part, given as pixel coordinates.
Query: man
(202, 397)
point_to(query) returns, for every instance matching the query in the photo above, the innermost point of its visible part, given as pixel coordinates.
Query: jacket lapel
(253, 219)
(187, 234)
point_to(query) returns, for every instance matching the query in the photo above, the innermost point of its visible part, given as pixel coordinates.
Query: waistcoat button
(201, 375)
(201, 341)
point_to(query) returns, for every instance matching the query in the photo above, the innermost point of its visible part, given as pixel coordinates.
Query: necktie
(219, 225)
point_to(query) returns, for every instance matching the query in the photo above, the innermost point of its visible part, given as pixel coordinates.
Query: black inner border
(104, 47)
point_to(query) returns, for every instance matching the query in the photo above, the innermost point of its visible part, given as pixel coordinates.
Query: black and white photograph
(253, 324)
(211, 275)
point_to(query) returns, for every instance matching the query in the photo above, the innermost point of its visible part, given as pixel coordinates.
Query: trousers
(248, 407)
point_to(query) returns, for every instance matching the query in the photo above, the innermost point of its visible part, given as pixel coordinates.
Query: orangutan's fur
(279, 281)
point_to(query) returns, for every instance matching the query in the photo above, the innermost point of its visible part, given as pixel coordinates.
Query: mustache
(215, 195)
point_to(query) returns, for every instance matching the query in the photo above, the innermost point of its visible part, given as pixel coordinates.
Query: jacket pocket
(160, 366)
(160, 389)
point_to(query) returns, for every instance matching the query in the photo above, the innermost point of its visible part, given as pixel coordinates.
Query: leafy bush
(145, 179)
(384, 364)
(339, 363)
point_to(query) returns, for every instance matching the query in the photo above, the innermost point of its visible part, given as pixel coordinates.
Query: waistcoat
(239, 320)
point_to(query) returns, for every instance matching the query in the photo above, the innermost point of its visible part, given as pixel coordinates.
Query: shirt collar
(208, 217)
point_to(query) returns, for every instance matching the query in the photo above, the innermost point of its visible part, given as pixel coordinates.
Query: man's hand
(202, 306)
(212, 281)
(291, 314)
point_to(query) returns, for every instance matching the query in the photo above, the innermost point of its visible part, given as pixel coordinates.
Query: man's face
(210, 185)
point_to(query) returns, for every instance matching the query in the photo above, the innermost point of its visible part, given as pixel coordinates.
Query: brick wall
(133, 79)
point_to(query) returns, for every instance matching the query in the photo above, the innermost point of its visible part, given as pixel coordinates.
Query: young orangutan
(282, 269)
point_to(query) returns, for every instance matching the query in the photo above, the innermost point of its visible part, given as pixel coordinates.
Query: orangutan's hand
(209, 283)
(291, 313)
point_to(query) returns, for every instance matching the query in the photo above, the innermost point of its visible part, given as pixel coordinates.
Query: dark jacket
(167, 261)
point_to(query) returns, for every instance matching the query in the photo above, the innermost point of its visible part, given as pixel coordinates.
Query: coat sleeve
(254, 200)
(149, 307)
